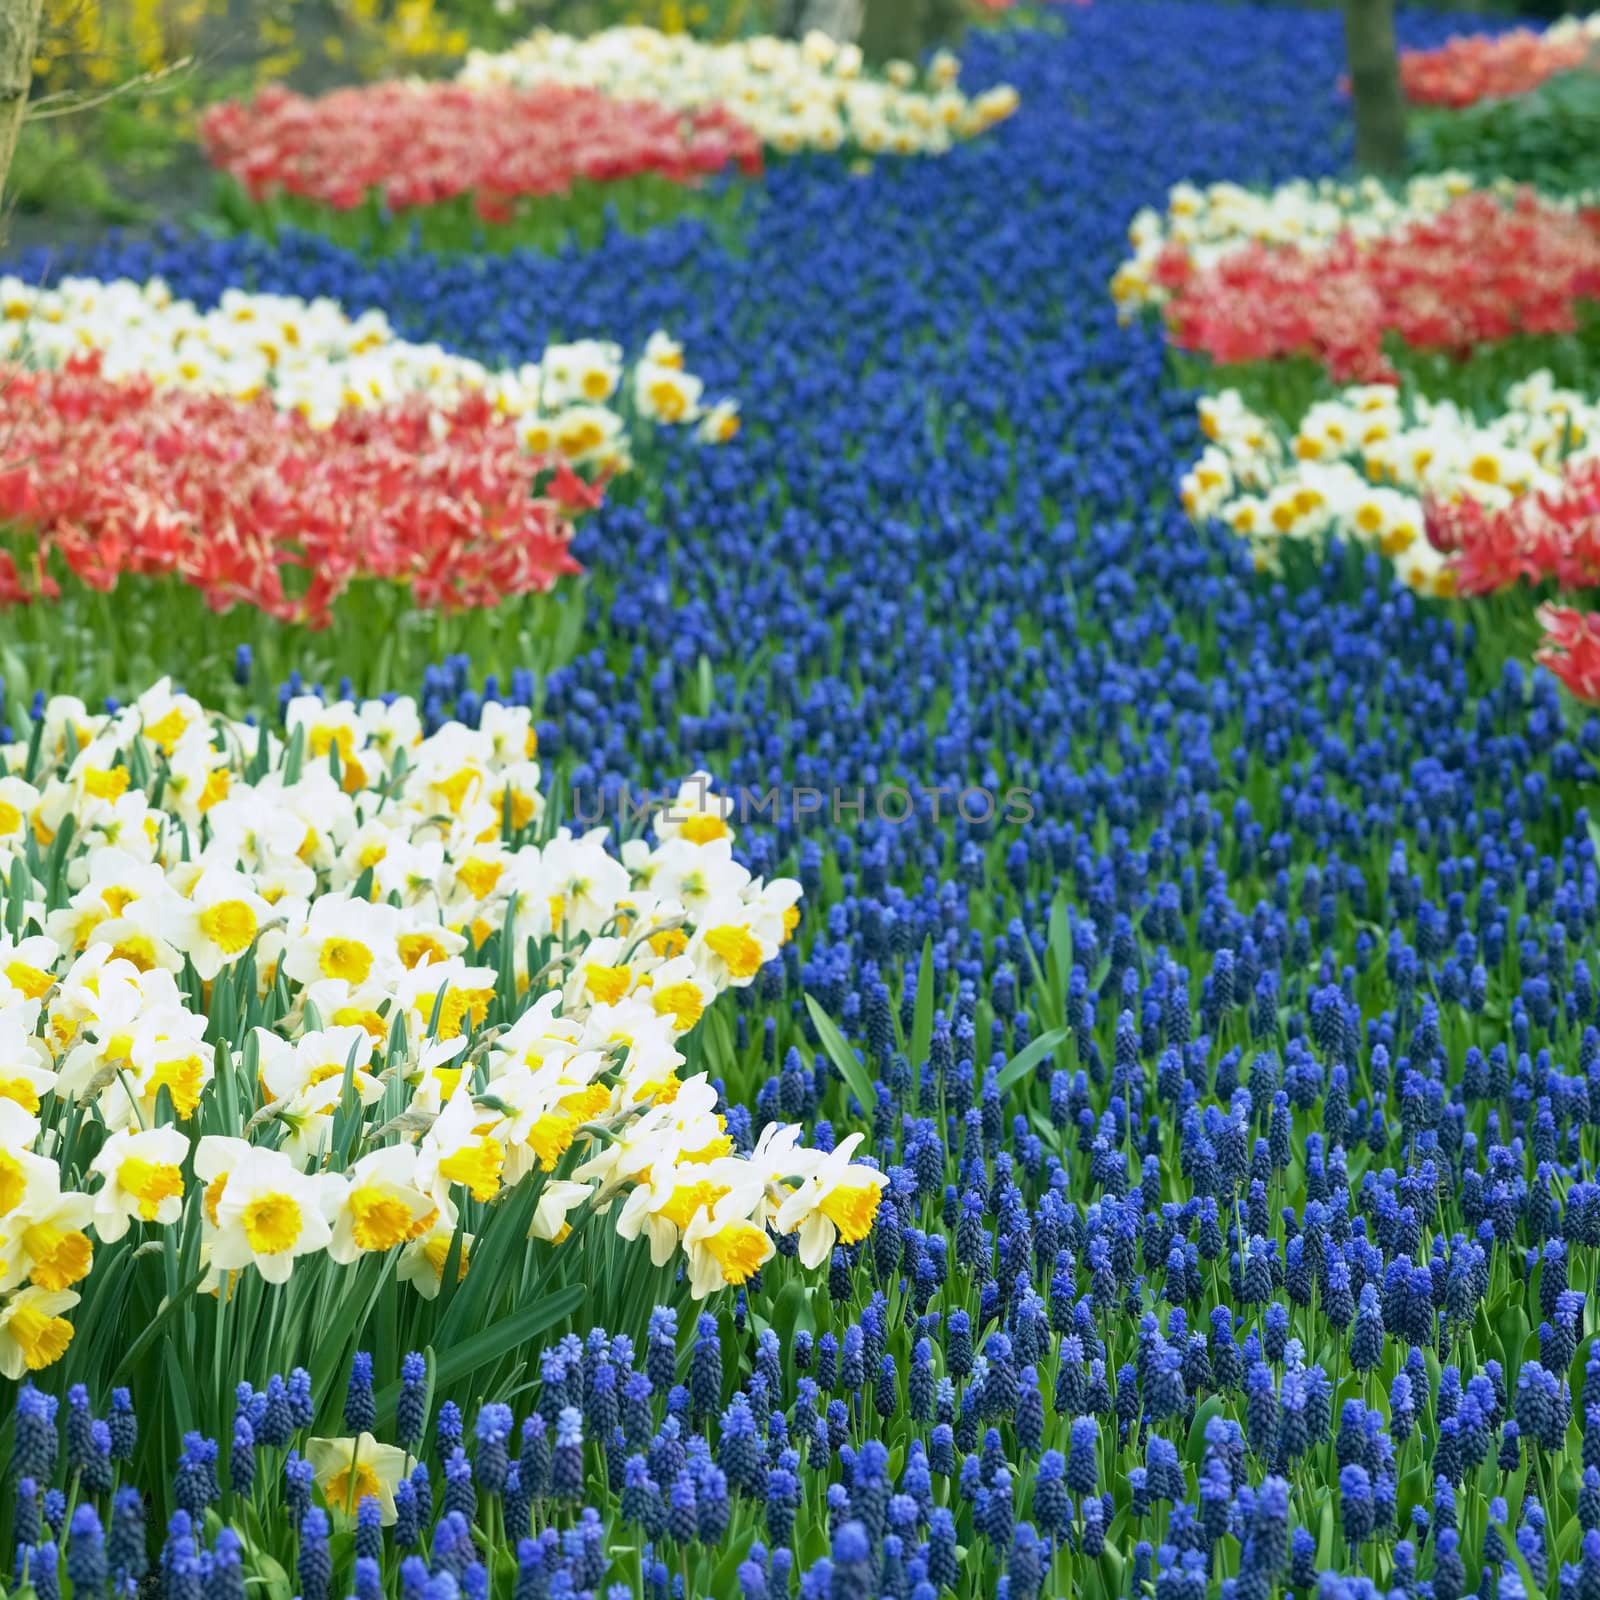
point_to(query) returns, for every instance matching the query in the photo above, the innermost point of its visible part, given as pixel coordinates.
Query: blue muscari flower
(448, 1430)
(180, 1567)
(414, 1579)
(195, 1483)
(661, 1348)
(38, 1565)
(298, 1476)
(853, 1368)
(79, 1421)
(886, 1397)
(1082, 1470)
(98, 1472)
(452, 1550)
(533, 1462)
(277, 1423)
(1094, 1518)
(852, 1576)
(739, 1450)
(1366, 1340)
(314, 1564)
(683, 1521)
(1449, 1570)
(1588, 1587)
(705, 1368)
(712, 1511)
(360, 1410)
(124, 1426)
(827, 1362)
(460, 1493)
(1540, 1406)
(301, 1408)
(566, 1470)
(407, 1526)
(86, 1554)
(34, 1451)
(493, 1433)
(1355, 1503)
(224, 1576)
(242, 1457)
(411, 1409)
(369, 1527)
(368, 1579)
(26, 1526)
(1000, 1511)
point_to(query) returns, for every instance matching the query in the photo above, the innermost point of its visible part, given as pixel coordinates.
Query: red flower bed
(233, 497)
(1538, 538)
(1465, 70)
(1481, 270)
(420, 144)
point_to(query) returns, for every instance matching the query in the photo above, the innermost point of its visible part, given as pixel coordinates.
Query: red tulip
(1465, 70)
(1480, 270)
(1550, 537)
(420, 144)
(1571, 649)
(255, 506)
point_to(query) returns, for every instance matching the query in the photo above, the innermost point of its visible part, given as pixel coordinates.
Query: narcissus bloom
(270, 1214)
(33, 1331)
(142, 1171)
(836, 1200)
(349, 1471)
(725, 1248)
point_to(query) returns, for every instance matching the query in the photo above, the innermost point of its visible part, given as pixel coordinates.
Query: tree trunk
(894, 30)
(839, 19)
(19, 33)
(1380, 110)
(906, 30)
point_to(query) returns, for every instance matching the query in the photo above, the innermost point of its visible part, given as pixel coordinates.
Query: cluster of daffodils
(327, 997)
(1585, 29)
(1363, 466)
(315, 358)
(1203, 226)
(813, 95)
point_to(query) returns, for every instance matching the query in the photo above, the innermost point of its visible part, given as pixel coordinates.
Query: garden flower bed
(1441, 267)
(278, 458)
(560, 137)
(1159, 1158)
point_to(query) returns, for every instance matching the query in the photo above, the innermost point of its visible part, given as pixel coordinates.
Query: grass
(1476, 380)
(582, 217)
(97, 645)
(1549, 137)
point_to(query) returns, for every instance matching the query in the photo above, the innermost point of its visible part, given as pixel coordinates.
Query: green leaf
(1025, 1060)
(1195, 1449)
(272, 1579)
(471, 1355)
(1325, 1536)
(1059, 948)
(922, 1018)
(841, 1055)
(175, 1303)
